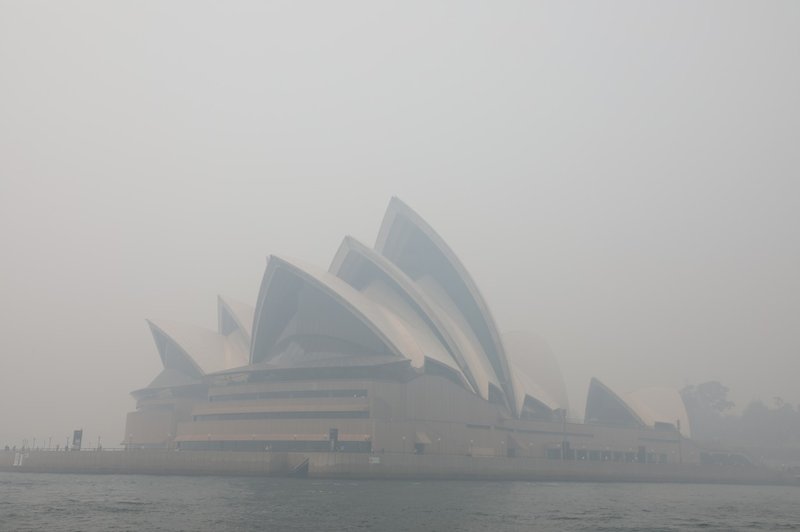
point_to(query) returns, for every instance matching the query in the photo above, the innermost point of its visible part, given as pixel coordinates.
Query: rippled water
(99, 503)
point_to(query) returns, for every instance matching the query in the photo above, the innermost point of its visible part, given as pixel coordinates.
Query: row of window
(347, 414)
(529, 431)
(278, 446)
(606, 456)
(288, 394)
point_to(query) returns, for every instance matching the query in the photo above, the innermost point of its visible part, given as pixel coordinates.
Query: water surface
(172, 503)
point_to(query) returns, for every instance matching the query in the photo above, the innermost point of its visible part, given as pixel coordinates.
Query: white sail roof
(536, 370)
(279, 316)
(409, 242)
(603, 405)
(182, 346)
(196, 351)
(645, 407)
(408, 298)
(384, 283)
(234, 314)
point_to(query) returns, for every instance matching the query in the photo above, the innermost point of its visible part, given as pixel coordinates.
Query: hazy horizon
(621, 181)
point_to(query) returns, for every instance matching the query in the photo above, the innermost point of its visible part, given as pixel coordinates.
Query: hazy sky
(620, 177)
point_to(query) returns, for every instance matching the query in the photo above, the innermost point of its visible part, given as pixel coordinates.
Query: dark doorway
(333, 439)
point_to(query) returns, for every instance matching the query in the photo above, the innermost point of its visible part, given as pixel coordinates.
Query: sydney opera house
(392, 349)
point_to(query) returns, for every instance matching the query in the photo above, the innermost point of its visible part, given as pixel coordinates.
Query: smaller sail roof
(278, 305)
(535, 370)
(184, 347)
(233, 315)
(603, 405)
(526, 387)
(195, 351)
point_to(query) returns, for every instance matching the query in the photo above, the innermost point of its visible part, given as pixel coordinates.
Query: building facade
(392, 349)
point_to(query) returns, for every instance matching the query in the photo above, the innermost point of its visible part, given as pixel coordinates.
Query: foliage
(709, 408)
(710, 397)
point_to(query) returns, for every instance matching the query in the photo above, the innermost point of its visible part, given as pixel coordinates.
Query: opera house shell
(392, 349)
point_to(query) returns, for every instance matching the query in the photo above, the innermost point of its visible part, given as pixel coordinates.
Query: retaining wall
(379, 466)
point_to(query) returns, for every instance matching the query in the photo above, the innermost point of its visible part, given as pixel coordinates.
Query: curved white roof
(194, 350)
(397, 308)
(411, 298)
(232, 311)
(535, 369)
(661, 405)
(278, 306)
(463, 335)
(409, 242)
(606, 406)
(358, 264)
(526, 387)
(645, 407)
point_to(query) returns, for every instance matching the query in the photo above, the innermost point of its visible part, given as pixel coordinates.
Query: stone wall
(378, 466)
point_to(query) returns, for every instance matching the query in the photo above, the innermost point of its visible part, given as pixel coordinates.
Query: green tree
(710, 397)
(706, 405)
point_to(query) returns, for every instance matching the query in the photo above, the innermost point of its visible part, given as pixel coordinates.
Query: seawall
(147, 462)
(380, 466)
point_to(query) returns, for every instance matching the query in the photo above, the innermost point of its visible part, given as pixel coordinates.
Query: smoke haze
(621, 179)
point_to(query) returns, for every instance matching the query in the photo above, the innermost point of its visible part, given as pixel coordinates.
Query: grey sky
(621, 178)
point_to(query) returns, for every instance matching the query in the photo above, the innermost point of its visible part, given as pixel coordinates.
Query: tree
(710, 397)
(706, 405)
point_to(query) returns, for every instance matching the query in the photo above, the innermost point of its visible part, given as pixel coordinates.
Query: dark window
(641, 456)
(283, 415)
(275, 445)
(288, 394)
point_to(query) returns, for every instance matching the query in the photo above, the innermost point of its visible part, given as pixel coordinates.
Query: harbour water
(174, 503)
